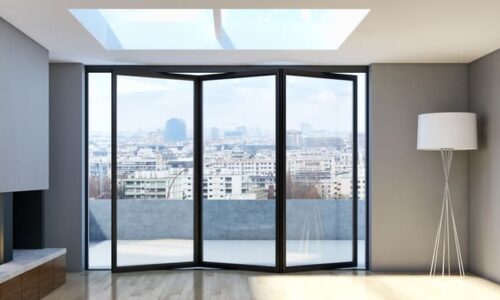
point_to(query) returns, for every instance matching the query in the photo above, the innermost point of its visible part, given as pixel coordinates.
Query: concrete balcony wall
(224, 219)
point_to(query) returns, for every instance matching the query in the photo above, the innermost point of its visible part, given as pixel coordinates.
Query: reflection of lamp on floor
(446, 132)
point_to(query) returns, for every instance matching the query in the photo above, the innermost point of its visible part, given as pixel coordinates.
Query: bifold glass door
(248, 170)
(320, 191)
(239, 169)
(154, 170)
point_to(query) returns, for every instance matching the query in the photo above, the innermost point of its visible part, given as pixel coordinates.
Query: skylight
(209, 29)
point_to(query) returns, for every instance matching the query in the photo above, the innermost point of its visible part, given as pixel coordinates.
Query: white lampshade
(449, 130)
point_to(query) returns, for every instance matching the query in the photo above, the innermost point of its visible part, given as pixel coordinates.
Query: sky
(313, 29)
(147, 103)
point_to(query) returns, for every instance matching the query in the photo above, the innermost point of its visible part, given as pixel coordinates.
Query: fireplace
(21, 222)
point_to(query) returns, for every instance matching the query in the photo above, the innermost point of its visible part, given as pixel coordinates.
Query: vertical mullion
(367, 170)
(198, 172)
(355, 173)
(114, 202)
(86, 157)
(281, 171)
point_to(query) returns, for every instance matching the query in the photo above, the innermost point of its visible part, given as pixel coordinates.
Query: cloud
(130, 84)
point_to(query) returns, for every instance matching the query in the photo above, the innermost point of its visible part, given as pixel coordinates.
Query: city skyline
(318, 168)
(155, 138)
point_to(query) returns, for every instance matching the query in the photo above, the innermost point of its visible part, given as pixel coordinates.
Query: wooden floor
(240, 285)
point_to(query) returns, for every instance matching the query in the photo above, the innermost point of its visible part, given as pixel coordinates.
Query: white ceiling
(444, 31)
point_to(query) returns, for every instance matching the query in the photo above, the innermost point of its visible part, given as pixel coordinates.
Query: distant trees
(300, 190)
(99, 187)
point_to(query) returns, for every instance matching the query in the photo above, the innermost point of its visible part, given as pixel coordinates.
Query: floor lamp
(446, 132)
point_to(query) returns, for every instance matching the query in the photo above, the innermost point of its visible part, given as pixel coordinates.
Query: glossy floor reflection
(221, 284)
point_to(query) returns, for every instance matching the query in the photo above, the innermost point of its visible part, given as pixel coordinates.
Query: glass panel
(154, 170)
(99, 170)
(243, 29)
(313, 29)
(362, 175)
(150, 29)
(319, 134)
(239, 169)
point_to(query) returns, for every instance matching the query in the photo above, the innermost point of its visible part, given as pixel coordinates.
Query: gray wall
(24, 112)
(64, 205)
(406, 184)
(224, 219)
(484, 205)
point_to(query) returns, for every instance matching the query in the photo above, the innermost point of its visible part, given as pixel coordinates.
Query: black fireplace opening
(28, 223)
(21, 222)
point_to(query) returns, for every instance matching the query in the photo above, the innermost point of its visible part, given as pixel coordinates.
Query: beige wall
(406, 184)
(484, 204)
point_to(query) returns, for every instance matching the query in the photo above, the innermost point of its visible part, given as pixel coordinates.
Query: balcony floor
(253, 252)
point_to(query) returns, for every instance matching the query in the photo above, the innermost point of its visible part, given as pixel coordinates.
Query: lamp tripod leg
(448, 216)
(457, 243)
(437, 242)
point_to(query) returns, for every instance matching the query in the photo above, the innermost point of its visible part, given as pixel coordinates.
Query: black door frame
(334, 76)
(199, 170)
(226, 72)
(114, 199)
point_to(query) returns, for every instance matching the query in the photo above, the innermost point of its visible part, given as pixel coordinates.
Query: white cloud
(130, 84)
